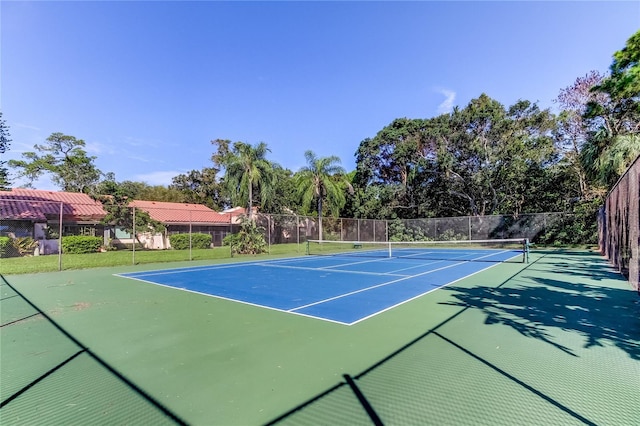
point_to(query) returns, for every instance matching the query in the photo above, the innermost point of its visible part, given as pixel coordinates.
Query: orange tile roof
(40, 205)
(168, 213)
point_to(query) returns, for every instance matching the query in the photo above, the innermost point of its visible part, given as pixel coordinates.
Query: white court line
(297, 259)
(306, 268)
(381, 259)
(240, 301)
(379, 285)
(205, 268)
(419, 295)
(466, 253)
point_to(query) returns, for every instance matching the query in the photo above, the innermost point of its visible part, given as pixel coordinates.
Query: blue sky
(147, 85)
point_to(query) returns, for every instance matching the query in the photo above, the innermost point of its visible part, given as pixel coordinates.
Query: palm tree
(247, 168)
(606, 158)
(323, 180)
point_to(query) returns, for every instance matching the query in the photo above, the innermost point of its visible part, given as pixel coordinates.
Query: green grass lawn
(51, 263)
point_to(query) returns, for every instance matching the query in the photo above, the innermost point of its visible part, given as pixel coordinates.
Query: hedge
(78, 244)
(198, 241)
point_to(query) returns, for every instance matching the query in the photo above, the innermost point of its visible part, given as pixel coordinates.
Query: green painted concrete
(556, 341)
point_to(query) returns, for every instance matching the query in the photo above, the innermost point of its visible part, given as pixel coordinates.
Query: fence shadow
(47, 372)
(597, 314)
(600, 315)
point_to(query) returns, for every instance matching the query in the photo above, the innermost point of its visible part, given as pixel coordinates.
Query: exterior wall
(45, 246)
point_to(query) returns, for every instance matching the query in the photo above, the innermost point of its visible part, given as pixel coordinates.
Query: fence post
(60, 240)
(133, 255)
(190, 238)
(269, 233)
(386, 229)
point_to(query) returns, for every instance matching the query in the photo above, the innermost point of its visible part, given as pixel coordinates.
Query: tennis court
(551, 341)
(346, 287)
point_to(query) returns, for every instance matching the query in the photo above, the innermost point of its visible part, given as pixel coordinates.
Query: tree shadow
(585, 266)
(598, 314)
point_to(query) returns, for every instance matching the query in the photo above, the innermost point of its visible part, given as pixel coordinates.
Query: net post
(525, 251)
(389, 244)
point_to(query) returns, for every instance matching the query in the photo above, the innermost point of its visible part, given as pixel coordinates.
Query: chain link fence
(36, 228)
(619, 225)
(288, 229)
(281, 229)
(531, 226)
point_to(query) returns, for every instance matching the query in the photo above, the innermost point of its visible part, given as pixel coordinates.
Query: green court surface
(554, 341)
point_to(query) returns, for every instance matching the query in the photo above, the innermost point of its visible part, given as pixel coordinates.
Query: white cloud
(132, 141)
(25, 126)
(447, 105)
(19, 148)
(99, 148)
(157, 178)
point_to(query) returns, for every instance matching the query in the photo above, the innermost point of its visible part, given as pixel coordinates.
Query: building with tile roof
(36, 213)
(182, 213)
(182, 218)
(39, 205)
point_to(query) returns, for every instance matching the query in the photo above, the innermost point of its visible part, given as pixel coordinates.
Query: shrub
(250, 239)
(232, 240)
(25, 246)
(578, 228)
(7, 249)
(198, 241)
(78, 244)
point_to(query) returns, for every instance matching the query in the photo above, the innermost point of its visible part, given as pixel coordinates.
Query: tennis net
(497, 250)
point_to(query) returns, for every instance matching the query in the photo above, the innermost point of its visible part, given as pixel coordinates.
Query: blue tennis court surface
(340, 289)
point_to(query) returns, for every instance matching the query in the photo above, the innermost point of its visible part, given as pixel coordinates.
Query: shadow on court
(596, 313)
(50, 377)
(556, 341)
(573, 359)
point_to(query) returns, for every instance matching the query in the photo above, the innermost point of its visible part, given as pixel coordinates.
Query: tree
(64, 158)
(401, 159)
(322, 180)
(144, 191)
(5, 141)
(201, 187)
(478, 160)
(115, 199)
(608, 161)
(283, 199)
(160, 193)
(573, 132)
(489, 158)
(246, 170)
(614, 118)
